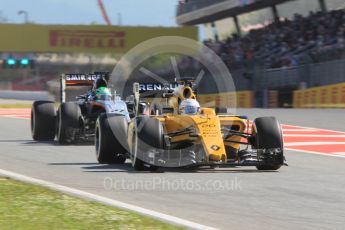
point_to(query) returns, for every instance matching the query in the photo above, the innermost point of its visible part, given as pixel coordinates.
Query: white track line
(312, 135)
(316, 153)
(15, 113)
(316, 129)
(16, 117)
(299, 130)
(106, 201)
(313, 143)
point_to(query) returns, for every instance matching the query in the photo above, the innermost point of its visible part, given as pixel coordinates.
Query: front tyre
(137, 163)
(111, 131)
(268, 139)
(68, 122)
(147, 136)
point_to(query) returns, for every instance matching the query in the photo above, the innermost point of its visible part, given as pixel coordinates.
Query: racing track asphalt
(309, 194)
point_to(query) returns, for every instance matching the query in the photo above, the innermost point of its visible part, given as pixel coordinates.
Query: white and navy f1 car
(83, 119)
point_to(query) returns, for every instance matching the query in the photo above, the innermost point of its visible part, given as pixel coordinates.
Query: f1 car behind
(183, 134)
(76, 120)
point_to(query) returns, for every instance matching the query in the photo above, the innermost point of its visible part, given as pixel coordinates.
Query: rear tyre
(68, 122)
(148, 135)
(43, 117)
(269, 136)
(110, 148)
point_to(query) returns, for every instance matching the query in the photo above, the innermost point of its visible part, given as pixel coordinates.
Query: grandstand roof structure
(194, 12)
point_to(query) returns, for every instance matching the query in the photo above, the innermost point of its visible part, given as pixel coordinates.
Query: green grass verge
(25, 206)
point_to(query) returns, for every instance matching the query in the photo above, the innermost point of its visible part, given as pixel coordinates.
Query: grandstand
(279, 57)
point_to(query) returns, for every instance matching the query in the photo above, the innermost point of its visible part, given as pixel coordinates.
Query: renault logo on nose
(215, 147)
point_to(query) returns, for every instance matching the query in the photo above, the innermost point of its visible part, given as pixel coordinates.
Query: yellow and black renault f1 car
(168, 138)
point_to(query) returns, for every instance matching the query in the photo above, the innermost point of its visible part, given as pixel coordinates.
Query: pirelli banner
(330, 96)
(241, 99)
(82, 39)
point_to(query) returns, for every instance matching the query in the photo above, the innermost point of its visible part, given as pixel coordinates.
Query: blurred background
(281, 53)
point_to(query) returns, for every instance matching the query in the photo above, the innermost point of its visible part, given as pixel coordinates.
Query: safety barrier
(330, 96)
(242, 99)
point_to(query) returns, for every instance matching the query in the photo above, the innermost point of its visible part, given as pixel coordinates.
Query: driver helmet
(103, 93)
(190, 107)
(100, 82)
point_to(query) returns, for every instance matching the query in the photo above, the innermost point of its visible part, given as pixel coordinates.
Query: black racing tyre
(68, 122)
(150, 132)
(269, 136)
(268, 167)
(43, 117)
(147, 135)
(110, 148)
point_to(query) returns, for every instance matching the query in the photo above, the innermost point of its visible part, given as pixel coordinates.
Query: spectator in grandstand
(287, 42)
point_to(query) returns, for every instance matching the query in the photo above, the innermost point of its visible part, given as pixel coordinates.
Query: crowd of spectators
(318, 37)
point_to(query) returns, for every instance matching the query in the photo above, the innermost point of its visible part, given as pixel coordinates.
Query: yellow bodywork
(208, 127)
